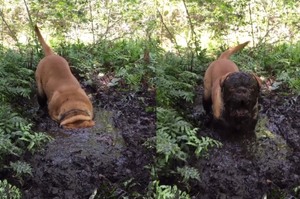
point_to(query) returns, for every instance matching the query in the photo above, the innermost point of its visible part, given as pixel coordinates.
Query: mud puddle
(106, 161)
(264, 165)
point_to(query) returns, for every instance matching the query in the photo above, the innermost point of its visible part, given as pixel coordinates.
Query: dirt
(110, 159)
(107, 161)
(261, 165)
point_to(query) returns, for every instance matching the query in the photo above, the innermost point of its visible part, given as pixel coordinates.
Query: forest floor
(108, 160)
(266, 163)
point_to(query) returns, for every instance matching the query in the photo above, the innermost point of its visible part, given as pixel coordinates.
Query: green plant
(135, 61)
(20, 168)
(8, 191)
(188, 173)
(15, 78)
(296, 190)
(168, 192)
(17, 131)
(174, 82)
(176, 137)
(17, 137)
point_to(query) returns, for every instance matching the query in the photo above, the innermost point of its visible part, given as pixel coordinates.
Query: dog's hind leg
(207, 103)
(41, 96)
(42, 100)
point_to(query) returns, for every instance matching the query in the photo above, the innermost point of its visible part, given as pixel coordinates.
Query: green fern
(8, 191)
(169, 192)
(21, 168)
(188, 173)
(16, 135)
(169, 147)
(15, 78)
(174, 84)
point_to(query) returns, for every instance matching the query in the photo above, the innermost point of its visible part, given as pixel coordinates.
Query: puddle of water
(104, 127)
(102, 141)
(268, 147)
(103, 131)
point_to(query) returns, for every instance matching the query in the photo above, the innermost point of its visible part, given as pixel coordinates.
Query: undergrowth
(143, 64)
(140, 64)
(129, 60)
(177, 139)
(16, 135)
(279, 61)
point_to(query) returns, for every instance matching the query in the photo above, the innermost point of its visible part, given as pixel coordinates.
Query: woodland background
(177, 38)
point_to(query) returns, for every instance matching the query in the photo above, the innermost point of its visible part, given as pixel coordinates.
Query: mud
(262, 165)
(110, 159)
(107, 161)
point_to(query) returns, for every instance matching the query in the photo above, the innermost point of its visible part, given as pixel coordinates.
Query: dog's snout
(242, 91)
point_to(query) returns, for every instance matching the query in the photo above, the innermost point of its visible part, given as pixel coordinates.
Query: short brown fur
(214, 76)
(57, 85)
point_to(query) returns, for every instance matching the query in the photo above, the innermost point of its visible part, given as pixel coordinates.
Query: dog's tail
(231, 51)
(46, 48)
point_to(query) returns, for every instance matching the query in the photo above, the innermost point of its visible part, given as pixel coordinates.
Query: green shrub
(123, 57)
(16, 134)
(280, 60)
(16, 79)
(8, 191)
(168, 192)
(16, 138)
(173, 82)
(176, 139)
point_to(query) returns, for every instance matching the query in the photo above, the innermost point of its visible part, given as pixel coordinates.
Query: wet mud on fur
(106, 161)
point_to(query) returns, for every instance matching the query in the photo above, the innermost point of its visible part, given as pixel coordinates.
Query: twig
(251, 21)
(12, 34)
(167, 29)
(29, 16)
(92, 20)
(192, 32)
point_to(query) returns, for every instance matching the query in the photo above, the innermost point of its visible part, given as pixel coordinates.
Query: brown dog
(68, 104)
(232, 95)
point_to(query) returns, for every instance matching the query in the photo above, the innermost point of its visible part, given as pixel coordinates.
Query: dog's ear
(217, 97)
(222, 79)
(259, 81)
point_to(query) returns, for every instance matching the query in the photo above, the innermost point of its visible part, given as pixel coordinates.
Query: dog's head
(76, 118)
(240, 92)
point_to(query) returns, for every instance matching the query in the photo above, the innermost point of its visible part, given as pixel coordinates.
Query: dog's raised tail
(46, 48)
(231, 51)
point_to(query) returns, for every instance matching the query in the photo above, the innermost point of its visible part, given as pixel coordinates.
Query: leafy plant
(173, 82)
(188, 173)
(16, 138)
(8, 191)
(175, 135)
(177, 140)
(17, 131)
(21, 168)
(168, 192)
(15, 78)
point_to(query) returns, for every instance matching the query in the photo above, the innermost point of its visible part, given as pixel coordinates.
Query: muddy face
(240, 93)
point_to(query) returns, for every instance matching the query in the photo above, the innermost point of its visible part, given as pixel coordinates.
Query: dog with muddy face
(67, 102)
(231, 95)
